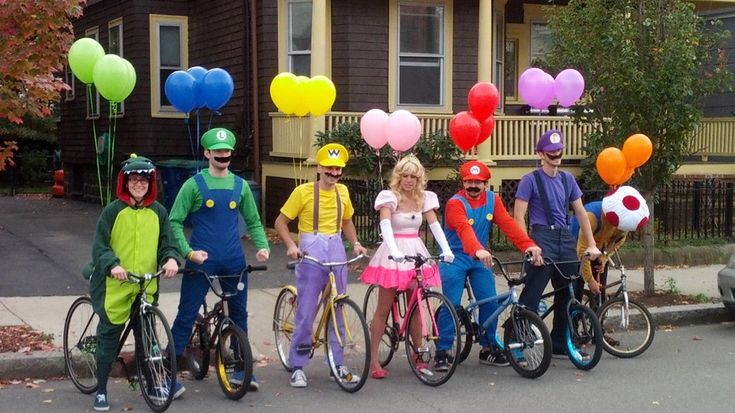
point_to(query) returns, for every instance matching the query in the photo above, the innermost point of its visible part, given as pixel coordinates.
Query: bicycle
(215, 329)
(526, 340)
(344, 328)
(583, 335)
(627, 326)
(423, 307)
(154, 347)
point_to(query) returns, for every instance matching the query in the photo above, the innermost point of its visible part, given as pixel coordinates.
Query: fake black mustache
(473, 190)
(553, 157)
(335, 176)
(223, 159)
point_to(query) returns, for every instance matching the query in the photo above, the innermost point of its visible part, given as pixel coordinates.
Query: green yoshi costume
(136, 235)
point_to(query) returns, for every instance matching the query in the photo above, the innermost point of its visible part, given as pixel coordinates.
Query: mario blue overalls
(481, 279)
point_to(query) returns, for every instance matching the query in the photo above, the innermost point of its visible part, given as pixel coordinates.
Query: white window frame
(94, 33)
(156, 21)
(499, 56)
(110, 25)
(290, 52)
(69, 79)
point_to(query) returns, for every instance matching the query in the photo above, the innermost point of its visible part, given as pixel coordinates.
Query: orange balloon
(637, 149)
(611, 165)
(627, 175)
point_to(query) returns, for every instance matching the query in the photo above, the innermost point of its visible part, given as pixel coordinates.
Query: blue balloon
(198, 72)
(218, 88)
(180, 91)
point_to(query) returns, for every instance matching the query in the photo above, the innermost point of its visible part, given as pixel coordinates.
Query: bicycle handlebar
(292, 264)
(134, 278)
(210, 277)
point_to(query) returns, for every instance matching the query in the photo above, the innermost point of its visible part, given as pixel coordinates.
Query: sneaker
(298, 378)
(100, 403)
(345, 375)
(493, 358)
(442, 360)
(254, 386)
(160, 394)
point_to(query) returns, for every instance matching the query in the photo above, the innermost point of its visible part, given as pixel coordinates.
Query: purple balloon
(536, 87)
(568, 87)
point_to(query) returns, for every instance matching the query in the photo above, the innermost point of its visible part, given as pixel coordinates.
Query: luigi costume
(213, 203)
(136, 236)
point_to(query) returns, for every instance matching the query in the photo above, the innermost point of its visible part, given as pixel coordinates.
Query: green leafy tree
(647, 64)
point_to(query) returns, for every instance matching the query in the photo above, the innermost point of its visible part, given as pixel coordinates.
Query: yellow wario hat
(332, 154)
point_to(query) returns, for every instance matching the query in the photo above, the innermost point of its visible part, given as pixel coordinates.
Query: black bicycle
(154, 347)
(214, 329)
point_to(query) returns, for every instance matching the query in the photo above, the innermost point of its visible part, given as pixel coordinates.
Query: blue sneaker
(100, 403)
(254, 386)
(239, 376)
(160, 394)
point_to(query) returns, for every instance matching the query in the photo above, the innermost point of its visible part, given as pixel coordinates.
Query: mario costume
(320, 213)
(213, 204)
(468, 225)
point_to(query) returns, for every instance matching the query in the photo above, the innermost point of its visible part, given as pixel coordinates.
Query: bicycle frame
(570, 286)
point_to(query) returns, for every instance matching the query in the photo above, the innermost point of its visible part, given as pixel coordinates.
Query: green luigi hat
(218, 138)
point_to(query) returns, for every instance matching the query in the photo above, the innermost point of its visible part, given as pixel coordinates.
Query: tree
(35, 36)
(647, 65)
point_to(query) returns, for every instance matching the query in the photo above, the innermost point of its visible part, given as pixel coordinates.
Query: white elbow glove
(387, 231)
(441, 239)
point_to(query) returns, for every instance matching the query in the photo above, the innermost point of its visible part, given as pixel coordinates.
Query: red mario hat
(474, 171)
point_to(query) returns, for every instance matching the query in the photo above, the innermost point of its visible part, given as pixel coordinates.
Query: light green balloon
(132, 78)
(83, 55)
(111, 78)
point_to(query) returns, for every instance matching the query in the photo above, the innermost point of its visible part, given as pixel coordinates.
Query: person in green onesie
(133, 234)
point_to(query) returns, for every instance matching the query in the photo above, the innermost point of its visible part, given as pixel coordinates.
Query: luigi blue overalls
(214, 230)
(481, 279)
(311, 279)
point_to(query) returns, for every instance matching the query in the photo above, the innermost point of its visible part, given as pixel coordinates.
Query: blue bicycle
(526, 340)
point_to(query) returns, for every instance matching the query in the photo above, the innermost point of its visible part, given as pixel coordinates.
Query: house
(420, 55)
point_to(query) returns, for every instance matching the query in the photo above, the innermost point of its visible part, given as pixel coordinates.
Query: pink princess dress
(388, 273)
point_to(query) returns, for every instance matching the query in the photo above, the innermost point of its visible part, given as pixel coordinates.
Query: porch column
(320, 58)
(485, 61)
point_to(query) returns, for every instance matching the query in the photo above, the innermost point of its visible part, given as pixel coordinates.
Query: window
(511, 68)
(499, 54)
(421, 55)
(115, 46)
(299, 37)
(540, 41)
(169, 53)
(92, 96)
(70, 80)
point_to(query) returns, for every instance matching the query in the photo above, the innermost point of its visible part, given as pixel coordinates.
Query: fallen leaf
(48, 401)
(697, 338)
(32, 386)
(15, 382)
(127, 408)
(39, 381)
(655, 402)
(48, 390)
(491, 384)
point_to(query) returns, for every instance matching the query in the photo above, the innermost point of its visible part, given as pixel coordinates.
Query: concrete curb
(51, 364)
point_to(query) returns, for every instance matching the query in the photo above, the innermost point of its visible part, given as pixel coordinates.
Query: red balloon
(486, 129)
(464, 130)
(483, 99)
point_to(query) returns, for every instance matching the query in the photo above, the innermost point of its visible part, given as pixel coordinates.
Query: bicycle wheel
(626, 332)
(283, 323)
(389, 339)
(467, 332)
(234, 362)
(527, 343)
(197, 349)
(80, 344)
(348, 348)
(584, 340)
(421, 351)
(155, 359)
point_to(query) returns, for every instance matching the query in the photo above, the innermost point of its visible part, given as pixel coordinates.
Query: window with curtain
(420, 55)
(299, 37)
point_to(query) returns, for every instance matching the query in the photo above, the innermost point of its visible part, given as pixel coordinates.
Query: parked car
(726, 284)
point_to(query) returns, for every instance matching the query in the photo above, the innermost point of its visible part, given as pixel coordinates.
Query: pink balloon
(568, 87)
(536, 88)
(373, 128)
(403, 130)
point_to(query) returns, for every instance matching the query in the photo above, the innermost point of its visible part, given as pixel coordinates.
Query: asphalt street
(687, 369)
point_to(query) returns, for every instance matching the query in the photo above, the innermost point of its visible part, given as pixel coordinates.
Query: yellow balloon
(282, 89)
(320, 93)
(300, 102)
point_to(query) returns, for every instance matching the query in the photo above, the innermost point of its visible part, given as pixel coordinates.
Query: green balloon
(83, 55)
(132, 78)
(111, 78)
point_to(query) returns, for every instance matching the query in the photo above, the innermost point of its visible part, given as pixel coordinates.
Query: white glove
(387, 231)
(441, 239)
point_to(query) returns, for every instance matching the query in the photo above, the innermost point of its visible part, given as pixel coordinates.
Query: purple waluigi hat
(552, 140)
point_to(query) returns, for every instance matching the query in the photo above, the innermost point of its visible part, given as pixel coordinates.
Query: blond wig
(409, 165)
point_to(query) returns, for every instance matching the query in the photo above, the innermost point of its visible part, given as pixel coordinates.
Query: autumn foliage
(35, 36)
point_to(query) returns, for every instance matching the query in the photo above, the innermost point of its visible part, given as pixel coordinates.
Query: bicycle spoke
(80, 344)
(348, 345)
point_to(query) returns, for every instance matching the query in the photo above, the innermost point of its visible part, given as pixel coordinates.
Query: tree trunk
(649, 286)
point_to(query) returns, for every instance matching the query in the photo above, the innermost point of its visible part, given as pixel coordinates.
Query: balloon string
(191, 138)
(196, 148)
(96, 144)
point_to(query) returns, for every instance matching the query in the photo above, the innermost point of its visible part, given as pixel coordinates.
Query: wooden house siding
(267, 46)
(464, 63)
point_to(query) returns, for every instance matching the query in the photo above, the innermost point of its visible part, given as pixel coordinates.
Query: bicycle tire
(284, 323)
(466, 331)
(232, 356)
(197, 349)
(525, 334)
(80, 344)
(354, 340)
(421, 355)
(155, 359)
(584, 344)
(626, 338)
(389, 340)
